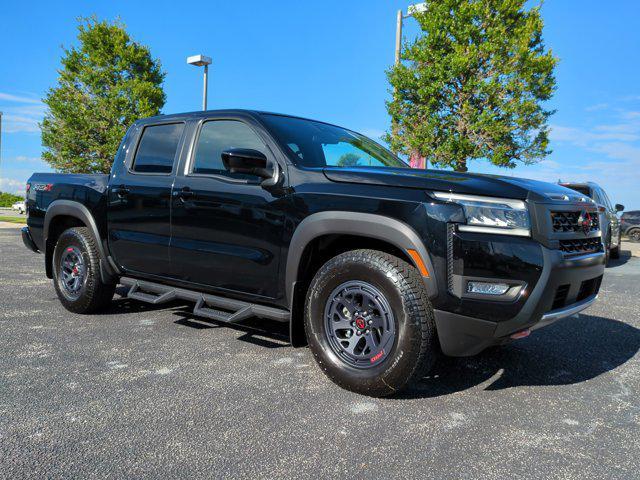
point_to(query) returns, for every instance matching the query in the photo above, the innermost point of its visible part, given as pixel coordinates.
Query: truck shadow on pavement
(625, 256)
(261, 332)
(570, 351)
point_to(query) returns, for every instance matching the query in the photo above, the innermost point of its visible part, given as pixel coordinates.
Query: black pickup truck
(378, 267)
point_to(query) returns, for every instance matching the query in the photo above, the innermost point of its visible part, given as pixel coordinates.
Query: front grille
(561, 296)
(589, 287)
(579, 246)
(575, 222)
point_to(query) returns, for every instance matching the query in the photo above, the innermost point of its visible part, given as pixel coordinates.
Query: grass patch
(22, 221)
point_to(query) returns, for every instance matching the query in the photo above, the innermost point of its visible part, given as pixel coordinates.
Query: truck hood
(446, 181)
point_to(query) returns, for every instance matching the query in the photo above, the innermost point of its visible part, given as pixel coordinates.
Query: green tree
(8, 199)
(349, 159)
(107, 82)
(472, 85)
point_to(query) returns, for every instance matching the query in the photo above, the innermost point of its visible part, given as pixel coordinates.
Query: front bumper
(28, 241)
(566, 287)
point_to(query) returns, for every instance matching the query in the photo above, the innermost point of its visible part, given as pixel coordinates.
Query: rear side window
(219, 135)
(157, 148)
(581, 189)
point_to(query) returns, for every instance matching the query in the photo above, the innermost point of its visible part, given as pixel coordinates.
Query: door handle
(184, 193)
(121, 191)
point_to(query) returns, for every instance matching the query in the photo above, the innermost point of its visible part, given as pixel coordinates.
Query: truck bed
(45, 188)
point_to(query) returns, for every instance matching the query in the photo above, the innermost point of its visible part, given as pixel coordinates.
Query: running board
(232, 311)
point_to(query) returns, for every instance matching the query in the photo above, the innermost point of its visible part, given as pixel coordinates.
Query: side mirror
(247, 160)
(619, 207)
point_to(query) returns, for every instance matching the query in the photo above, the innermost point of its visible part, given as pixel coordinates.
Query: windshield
(316, 144)
(583, 189)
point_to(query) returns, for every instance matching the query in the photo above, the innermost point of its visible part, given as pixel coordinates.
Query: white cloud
(21, 114)
(582, 137)
(11, 185)
(597, 107)
(619, 151)
(18, 99)
(373, 133)
(23, 159)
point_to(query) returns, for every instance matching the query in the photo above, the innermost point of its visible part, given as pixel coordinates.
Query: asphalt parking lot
(142, 391)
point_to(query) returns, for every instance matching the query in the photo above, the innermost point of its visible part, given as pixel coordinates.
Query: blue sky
(327, 60)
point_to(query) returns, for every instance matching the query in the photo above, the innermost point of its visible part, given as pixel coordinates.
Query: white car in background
(20, 207)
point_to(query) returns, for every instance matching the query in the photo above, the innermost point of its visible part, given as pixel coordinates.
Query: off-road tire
(93, 295)
(415, 347)
(615, 251)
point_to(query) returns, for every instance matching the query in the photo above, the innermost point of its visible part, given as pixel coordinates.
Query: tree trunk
(461, 166)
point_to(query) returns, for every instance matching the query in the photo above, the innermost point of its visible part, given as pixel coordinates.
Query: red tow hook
(521, 334)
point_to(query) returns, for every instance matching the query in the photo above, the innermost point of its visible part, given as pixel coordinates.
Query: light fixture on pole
(412, 10)
(201, 61)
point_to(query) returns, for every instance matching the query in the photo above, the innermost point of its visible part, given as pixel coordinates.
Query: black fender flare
(370, 225)
(78, 210)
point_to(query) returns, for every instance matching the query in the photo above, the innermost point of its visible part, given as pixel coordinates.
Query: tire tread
(417, 307)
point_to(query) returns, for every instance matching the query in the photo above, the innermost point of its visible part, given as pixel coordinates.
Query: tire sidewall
(68, 239)
(399, 363)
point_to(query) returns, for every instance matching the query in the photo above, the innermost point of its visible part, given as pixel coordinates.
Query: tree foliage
(8, 199)
(107, 82)
(472, 85)
(349, 159)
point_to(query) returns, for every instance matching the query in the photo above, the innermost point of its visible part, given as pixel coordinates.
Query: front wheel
(369, 323)
(76, 272)
(615, 251)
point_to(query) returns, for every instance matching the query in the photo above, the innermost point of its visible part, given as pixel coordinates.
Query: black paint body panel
(233, 238)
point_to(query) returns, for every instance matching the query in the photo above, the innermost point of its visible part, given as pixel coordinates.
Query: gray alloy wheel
(73, 272)
(360, 326)
(76, 272)
(369, 322)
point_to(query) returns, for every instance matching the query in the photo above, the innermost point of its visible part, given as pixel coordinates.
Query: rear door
(139, 200)
(227, 229)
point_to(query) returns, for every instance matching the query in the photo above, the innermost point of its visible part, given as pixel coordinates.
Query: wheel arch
(377, 231)
(64, 214)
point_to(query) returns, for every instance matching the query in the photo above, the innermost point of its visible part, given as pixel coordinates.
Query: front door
(139, 201)
(226, 228)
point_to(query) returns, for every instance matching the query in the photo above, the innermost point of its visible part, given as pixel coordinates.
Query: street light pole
(413, 9)
(204, 87)
(416, 161)
(398, 36)
(202, 61)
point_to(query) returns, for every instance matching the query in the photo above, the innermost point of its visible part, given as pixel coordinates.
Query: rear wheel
(76, 272)
(369, 323)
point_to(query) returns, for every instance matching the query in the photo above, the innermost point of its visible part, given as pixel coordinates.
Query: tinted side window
(596, 196)
(219, 135)
(607, 202)
(157, 148)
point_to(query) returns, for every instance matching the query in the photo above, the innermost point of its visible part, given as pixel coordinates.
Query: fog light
(487, 288)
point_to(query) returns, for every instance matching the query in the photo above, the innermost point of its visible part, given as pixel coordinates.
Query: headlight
(491, 215)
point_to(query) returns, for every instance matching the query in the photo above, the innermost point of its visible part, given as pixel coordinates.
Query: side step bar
(231, 311)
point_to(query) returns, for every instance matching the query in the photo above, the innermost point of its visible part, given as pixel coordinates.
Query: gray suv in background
(630, 225)
(609, 221)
